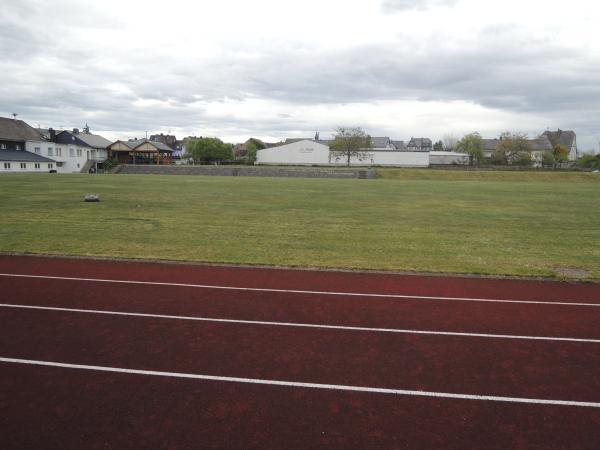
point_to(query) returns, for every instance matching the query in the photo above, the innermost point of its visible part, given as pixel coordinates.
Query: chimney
(52, 134)
(75, 130)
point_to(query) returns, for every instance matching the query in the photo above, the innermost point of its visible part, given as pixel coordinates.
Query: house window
(37, 150)
(58, 151)
(72, 153)
(78, 152)
(78, 165)
(23, 165)
(37, 165)
(7, 165)
(50, 151)
(3, 146)
(50, 166)
(18, 146)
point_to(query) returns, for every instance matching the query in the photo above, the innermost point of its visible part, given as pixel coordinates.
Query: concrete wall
(249, 171)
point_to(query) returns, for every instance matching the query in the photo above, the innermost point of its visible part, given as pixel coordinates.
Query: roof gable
(17, 130)
(562, 137)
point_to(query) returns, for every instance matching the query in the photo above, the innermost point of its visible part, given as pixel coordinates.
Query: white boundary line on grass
(295, 291)
(301, 325)
(296, 384)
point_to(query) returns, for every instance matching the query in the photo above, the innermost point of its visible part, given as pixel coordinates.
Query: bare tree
(349, 142)
(450, 142)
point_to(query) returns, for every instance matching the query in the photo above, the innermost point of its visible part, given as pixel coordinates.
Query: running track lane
(50, 408)
(452, 316)
(485, 424)
(454, 364)
(303, 279)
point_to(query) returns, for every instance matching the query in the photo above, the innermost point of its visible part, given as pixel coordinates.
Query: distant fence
(249, 171)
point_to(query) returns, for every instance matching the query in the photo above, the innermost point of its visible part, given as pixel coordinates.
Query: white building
(305, 152)
(309, 152)
(26, 149)
(448, 158)
(16, 137)
(74, 151)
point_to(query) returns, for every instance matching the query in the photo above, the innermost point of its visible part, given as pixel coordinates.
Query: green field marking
(493, 223)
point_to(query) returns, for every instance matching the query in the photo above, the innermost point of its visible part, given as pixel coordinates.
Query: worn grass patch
(517, 226)
(488, 175)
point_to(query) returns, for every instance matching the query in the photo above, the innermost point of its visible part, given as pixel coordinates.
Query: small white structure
(312, 153)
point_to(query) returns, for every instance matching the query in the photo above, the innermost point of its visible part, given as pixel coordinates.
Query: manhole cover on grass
(571, 272)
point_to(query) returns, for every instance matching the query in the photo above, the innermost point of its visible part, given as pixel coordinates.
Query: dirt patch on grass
(571, 272)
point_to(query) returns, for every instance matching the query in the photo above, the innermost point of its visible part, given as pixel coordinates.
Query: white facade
(297, 153)
(69, 158)
(383, 158)
(448, 158)
(25, 166)
(309, 152)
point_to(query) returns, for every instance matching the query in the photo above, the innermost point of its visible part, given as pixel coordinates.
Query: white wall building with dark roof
(61, 151)
(22, 148)
(567, 138)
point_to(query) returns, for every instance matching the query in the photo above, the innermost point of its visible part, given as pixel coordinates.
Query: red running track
(72, 407)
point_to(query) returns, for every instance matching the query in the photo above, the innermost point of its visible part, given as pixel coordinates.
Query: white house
(24, 148)
(566, 138)
(310, 152)
(74, 151)
(16, 137)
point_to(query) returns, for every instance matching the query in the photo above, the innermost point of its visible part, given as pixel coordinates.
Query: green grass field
(410, 220)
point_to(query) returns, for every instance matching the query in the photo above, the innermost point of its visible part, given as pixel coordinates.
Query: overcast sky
(275, 69)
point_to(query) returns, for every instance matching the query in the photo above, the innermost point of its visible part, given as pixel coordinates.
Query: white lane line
(301, 325)
(335, 387)
(295, 291)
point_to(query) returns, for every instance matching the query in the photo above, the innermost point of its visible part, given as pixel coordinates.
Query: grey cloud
(44, 79)
(406, 5)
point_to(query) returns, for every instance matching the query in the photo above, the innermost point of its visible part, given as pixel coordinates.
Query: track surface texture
(103, 354)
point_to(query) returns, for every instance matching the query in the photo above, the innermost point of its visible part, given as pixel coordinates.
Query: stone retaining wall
(250, 171)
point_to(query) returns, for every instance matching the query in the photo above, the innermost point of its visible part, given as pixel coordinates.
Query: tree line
(511, 149)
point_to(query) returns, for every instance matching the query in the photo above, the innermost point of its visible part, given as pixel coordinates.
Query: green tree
(548, 159)
(438, 146)
(513, 148)
(209, 150)
(560, 153)
(251, 149)
(471, 144)
(589, 161)
(349, 142)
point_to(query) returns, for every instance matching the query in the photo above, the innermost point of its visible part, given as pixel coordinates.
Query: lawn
(417, 220)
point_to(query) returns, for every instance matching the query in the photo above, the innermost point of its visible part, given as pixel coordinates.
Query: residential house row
(27, 149)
